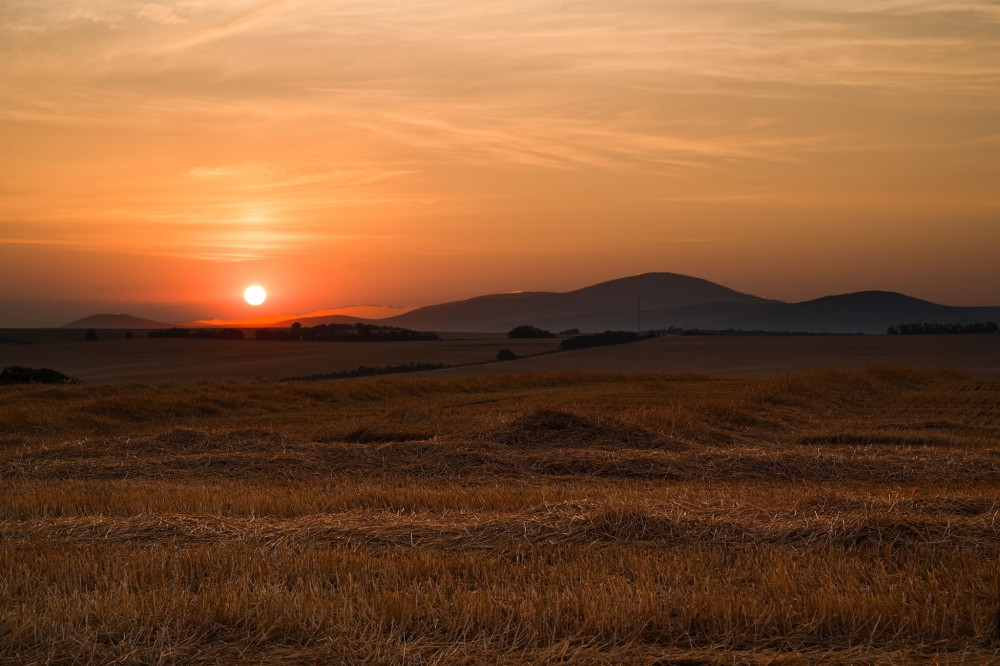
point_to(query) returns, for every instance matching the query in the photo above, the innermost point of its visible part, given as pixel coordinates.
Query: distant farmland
(114, 359)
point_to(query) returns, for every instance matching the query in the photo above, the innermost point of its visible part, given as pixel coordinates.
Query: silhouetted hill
(670, 300)
(600, 304)
(666, 300)
(861, 312)
(704, 315)
(115, 321)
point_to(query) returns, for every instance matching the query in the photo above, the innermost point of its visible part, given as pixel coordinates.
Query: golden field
(822, 516)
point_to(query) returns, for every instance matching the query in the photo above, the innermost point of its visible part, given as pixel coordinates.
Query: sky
(158, 157)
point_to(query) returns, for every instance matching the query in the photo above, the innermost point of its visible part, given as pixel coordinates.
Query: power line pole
(638, 315)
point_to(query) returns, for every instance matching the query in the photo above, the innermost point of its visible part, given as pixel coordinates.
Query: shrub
(90, 335)
(522, 332)
(506, 355)
(17, 374)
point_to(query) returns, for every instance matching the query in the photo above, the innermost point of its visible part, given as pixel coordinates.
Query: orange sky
(161, 156)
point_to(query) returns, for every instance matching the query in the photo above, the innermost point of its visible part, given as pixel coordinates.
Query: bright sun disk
(255, 295)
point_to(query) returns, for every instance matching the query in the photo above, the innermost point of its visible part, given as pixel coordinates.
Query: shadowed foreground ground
(835, 516)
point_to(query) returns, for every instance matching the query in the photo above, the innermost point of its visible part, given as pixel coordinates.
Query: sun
(255, 295)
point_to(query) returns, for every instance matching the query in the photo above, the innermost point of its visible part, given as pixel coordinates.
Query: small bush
(17, 374)
(90, 335)
(522, 332)
(506, 355)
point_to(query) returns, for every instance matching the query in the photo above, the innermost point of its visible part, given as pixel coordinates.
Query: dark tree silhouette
(944, 329)
(601, 339)
(17, 374)
(90, 335)
(506, 355)
(320, 333)
(210, 333)
(522, 332)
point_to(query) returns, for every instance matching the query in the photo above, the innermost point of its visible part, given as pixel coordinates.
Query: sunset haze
(162, 157)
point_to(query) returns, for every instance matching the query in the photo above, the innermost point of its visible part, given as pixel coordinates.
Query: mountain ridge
(654, 301)
(115, 321)
(493, 311)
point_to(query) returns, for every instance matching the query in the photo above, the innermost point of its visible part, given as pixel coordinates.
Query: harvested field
(114, 359)
(826, 516)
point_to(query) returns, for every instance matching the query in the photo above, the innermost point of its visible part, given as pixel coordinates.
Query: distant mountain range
(662, 300)
(116, 321)
(649, 301)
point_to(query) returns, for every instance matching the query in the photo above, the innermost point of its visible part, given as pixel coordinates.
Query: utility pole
(638, 316)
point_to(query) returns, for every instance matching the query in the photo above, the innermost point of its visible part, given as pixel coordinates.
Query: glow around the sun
(255, 295)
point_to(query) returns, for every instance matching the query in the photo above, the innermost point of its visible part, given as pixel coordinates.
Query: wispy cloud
(164, 14)
(240, 22)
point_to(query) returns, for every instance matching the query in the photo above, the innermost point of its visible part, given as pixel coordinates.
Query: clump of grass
(183, 438)
(545, 428)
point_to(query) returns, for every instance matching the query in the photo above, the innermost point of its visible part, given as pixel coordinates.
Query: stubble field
(823, 516)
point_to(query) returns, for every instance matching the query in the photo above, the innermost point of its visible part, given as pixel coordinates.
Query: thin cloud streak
(230, 27)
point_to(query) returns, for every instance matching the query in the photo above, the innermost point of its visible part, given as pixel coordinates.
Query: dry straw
(835, 517)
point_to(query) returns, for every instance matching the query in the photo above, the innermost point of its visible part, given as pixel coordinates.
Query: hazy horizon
(170, 154)
(42, 313)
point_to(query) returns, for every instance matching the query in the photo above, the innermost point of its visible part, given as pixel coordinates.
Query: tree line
(320, 333)
(944, 329)
(344, 333)
(602, 339)
(200, 333)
